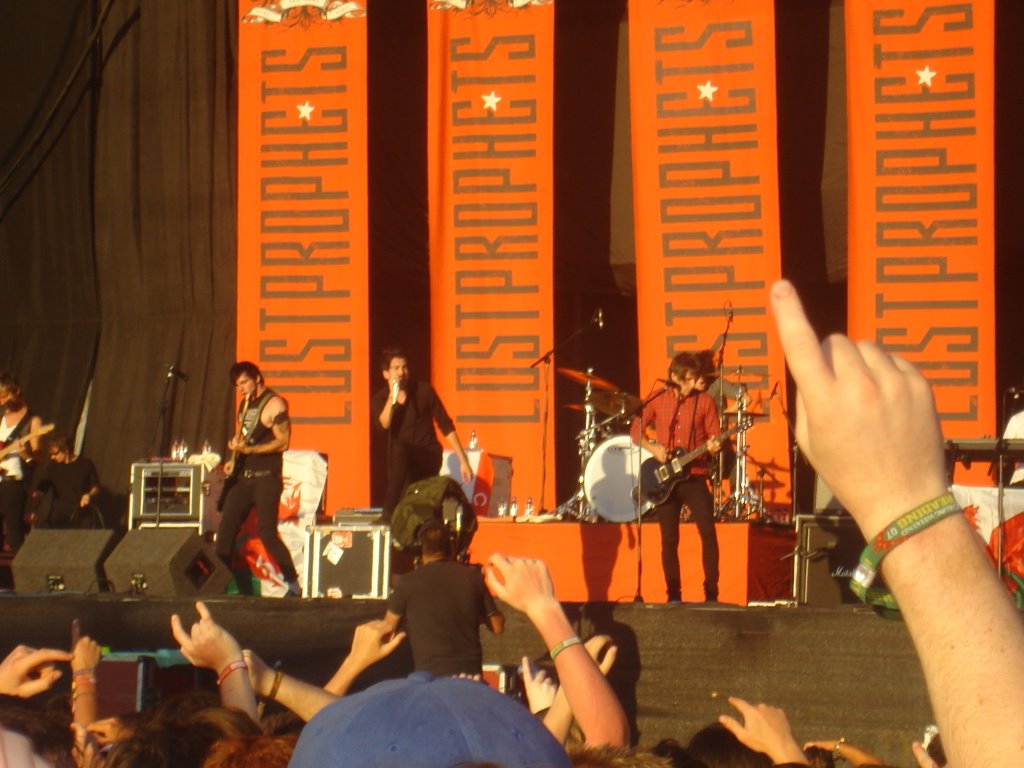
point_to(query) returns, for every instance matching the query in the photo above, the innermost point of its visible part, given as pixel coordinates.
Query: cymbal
(581, 377)
(614, 403)
(739, 373)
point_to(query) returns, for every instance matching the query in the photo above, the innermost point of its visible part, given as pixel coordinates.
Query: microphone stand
(720, 405)
(638, 501)
(546, 359)
(794, 458)
(163, 416)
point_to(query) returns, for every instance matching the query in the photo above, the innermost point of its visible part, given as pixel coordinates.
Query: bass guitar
(658, 479)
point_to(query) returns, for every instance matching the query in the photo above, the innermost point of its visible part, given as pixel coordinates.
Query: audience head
(427, 721)
(715, 747)
(246, 751)
(435, 539)
(180, 742)
(676, 753)
(50, 737)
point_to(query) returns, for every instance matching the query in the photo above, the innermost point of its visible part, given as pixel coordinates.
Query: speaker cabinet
(166, 562)
(57, 560)
(828, 550)
(824, 500)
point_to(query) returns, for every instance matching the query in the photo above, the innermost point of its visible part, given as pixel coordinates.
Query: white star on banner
(305, 110)
(491, 101)
(707, 91)
(924, 76)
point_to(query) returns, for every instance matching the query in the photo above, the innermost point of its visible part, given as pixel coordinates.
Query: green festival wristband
(898, 531)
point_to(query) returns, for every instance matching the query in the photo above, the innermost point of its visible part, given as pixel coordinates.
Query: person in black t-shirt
(443, 603)
(72, 482)
(407, 410)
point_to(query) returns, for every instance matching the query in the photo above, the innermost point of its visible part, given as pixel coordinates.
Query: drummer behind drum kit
(620, 482)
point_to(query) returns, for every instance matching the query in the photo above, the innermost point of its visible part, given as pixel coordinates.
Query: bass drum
(610, 479)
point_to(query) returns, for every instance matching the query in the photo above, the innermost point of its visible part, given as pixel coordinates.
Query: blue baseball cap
(427, 722)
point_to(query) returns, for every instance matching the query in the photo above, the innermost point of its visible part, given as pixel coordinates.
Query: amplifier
(828, 551)
(349, 560)
(174, 495)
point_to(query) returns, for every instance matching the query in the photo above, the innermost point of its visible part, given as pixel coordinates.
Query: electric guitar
(233, 466)
(658, 480)
(14, 445)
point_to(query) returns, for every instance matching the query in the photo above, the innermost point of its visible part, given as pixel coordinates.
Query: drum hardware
(742, 503)
(586, 441)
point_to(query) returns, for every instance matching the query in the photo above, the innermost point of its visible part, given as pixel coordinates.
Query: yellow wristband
(567, 643)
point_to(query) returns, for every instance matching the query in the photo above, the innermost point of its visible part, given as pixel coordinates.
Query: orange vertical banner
(302, 224)
(490, 102)
(705, 176)
(920, 85)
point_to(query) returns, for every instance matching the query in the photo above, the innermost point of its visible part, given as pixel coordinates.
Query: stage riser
(836, 671)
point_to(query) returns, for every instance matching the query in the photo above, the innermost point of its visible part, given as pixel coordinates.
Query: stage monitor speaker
(824, 500)
(828, 550)
(58, 560)
(166, 562)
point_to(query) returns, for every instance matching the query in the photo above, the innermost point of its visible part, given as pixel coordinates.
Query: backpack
(438, 498)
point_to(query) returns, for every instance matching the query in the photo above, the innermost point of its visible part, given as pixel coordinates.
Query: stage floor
(599, 562)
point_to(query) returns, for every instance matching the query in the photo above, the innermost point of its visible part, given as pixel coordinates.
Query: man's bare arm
(867, 422)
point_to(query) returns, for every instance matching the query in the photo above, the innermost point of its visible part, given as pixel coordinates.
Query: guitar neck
(696, 453)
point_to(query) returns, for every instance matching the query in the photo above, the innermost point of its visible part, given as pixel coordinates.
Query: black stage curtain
(119, 251)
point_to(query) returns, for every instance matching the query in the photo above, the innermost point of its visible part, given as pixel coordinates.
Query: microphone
(173, 372)
(728, 309)
(599, 318)
(669, 384)
(394, 391)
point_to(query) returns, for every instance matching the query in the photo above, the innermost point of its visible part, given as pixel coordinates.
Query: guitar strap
(672, 426)
(19, 429)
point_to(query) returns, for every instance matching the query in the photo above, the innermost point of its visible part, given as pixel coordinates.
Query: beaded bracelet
(567, 643)
(236, 664)
(898, 531)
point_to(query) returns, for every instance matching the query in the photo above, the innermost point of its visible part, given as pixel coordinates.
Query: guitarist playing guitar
(21, 430)
(255, 466)
(683, 418)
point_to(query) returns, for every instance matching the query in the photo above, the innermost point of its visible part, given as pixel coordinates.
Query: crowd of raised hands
(867, 422)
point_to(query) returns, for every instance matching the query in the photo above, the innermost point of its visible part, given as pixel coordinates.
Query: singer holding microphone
(407, 410)
(683, 418)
